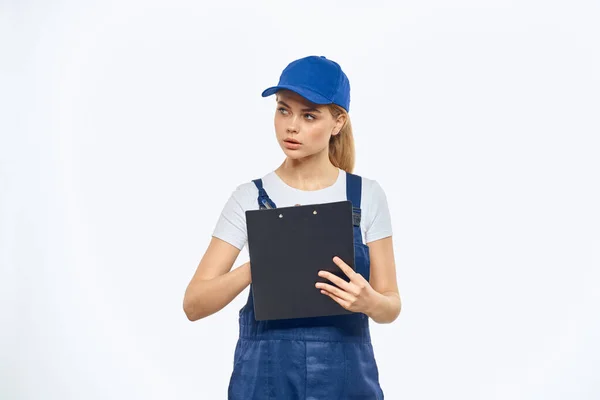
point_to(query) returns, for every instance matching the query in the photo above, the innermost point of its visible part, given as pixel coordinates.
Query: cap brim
(306, 93)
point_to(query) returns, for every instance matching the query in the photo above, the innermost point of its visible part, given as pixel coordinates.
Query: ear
(339, 124)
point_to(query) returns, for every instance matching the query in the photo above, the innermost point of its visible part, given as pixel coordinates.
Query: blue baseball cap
(317, 79)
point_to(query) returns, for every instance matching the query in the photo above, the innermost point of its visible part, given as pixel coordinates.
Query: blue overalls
(318, 358)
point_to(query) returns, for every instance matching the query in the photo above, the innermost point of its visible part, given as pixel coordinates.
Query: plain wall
(126, 125)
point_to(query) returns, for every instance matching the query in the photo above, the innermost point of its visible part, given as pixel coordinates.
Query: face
(310, 124)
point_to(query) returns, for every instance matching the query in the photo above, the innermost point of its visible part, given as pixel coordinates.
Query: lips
(292, 141)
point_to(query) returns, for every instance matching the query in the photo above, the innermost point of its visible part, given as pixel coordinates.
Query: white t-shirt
(375, 216)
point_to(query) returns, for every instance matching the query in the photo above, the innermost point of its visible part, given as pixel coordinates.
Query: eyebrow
(304, 109)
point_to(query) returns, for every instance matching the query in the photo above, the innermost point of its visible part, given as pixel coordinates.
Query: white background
(125, 126)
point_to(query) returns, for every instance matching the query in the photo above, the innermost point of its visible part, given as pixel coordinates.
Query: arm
(383, 280)
(214, 285)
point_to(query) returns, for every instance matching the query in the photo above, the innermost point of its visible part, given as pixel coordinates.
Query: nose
(292, 126)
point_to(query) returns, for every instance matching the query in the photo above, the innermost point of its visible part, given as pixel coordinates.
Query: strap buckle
(356, 213)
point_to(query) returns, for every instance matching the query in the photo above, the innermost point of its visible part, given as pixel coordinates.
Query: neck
(309, 173)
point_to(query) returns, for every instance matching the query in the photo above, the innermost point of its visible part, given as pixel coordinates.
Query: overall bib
(317, 358)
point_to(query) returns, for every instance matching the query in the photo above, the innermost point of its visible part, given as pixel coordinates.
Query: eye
(312, 116)
(281, 110)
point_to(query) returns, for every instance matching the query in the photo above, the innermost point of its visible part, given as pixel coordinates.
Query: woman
(306, 358)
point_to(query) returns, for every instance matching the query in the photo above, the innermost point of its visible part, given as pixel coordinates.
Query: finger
(341, 302)
(334, 290)
(337, 280)
(344, 267)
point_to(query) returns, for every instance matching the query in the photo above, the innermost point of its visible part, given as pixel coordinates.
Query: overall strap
(263, 198)
(353, 193)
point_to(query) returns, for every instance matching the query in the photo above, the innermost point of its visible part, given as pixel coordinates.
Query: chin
(292, 153)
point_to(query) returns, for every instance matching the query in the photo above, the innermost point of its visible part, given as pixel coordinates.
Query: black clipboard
(288, 246)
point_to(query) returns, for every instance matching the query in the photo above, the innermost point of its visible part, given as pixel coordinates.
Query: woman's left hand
(356, 295)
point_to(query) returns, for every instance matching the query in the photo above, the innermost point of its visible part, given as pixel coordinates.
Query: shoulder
(245, 190)
(245, 194)
(371, 189)
(377, 219)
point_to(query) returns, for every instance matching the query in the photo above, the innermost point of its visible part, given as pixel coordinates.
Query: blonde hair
(341, 146)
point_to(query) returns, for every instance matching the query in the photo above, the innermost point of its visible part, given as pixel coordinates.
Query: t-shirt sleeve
(231, 225)
(380, 223)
